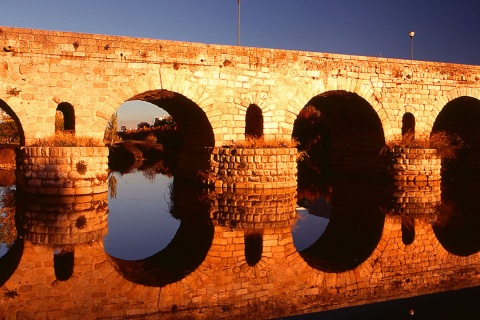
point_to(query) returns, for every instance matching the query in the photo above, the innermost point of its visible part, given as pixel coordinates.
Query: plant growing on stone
(253, 142)
(67, 140)
(13, 92)
(446, 144)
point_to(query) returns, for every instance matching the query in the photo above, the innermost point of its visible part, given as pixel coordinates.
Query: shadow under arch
(460, 117)
(5, 107)
(336, 129)
(10, 261)
(355, 227)
(187, 249)
(458, 216)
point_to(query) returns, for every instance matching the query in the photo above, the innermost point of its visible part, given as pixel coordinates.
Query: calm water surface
(140, 225)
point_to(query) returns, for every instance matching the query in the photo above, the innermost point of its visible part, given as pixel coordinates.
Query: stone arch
(408, 124)
(459, 118)
(200, 101)
(254, 122)
(5, 107)
(191, 119)
(345, 130)
(362, 88)
(251, 106)
(443, 100)
(90, 124)
(68, 115)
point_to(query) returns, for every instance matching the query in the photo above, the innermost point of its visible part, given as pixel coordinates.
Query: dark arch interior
(458, 217)
(254, 122)
(63, 264)
(9, 261)
(408, 124)
(336, 129)
(5, 107)
(253, 247)
(68, 113)
(355, 226)
(461, 117)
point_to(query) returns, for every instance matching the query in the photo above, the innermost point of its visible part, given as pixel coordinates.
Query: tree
(8, 127)
(143, 124)
(110, 137)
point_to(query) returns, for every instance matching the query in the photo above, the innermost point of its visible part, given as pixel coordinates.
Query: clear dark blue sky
(445, 30)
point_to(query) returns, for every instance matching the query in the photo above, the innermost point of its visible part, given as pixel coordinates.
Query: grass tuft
(251, 142)
(67, 140)
(447, 145)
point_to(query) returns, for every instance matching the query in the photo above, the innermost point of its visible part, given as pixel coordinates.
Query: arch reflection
(187, 249)
(458, 218)
(354, 229)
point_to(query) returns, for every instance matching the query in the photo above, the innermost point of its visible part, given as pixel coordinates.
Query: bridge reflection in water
(233, 255)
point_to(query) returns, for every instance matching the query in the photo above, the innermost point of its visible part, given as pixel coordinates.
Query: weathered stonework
(62, 170)
(416, 164)
(255, 209)
(62, 220)
(254, 168)
(41, 69)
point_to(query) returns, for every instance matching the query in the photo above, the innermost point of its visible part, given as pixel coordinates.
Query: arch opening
(10, 126)
(63, 261)
(459, 120)
(408, 126)
(254, 122)
(342, 136)
(253, 247)
(192, 135)
(65, 118)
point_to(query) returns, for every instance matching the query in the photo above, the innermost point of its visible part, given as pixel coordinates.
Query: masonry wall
(97, 73)
(254, 168)
(62, 170)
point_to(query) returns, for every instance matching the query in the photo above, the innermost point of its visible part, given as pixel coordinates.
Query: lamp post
(238, 26)
(411, 34)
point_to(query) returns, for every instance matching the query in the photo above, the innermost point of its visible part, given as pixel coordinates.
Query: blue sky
(446, 31)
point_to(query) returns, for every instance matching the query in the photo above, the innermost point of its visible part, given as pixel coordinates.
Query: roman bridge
(219, 94)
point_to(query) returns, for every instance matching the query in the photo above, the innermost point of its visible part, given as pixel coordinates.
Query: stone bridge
(219, 93)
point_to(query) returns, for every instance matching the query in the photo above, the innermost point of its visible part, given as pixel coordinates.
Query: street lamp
(411, 34)
(238, 27)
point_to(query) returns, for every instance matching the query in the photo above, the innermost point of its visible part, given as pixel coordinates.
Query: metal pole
(238, 27)
(411, 34)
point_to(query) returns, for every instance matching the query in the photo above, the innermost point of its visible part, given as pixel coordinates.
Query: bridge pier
(254, 168)
(62, 170)
(415, 164)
